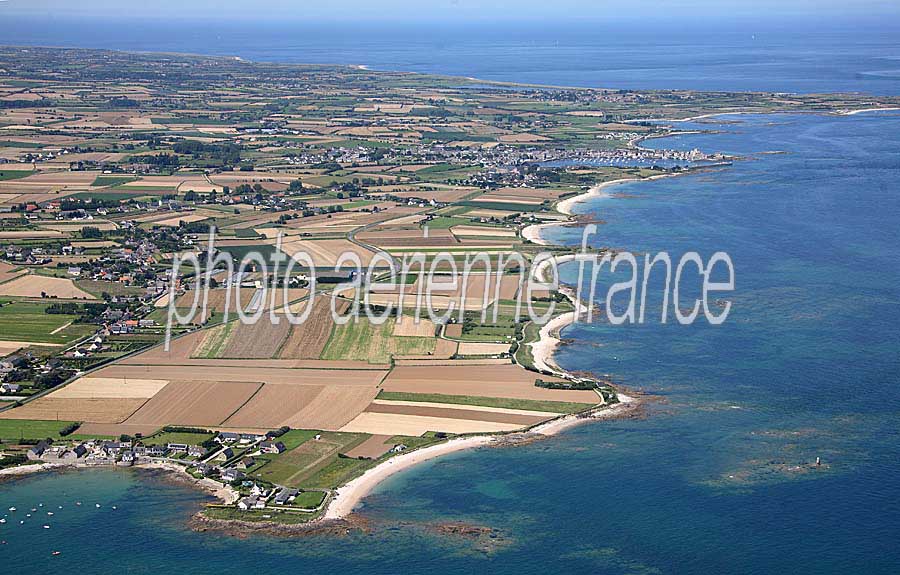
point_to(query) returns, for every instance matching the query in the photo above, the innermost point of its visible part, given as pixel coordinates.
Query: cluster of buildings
(100, 452)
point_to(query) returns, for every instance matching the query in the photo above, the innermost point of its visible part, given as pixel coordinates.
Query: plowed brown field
(194, 403)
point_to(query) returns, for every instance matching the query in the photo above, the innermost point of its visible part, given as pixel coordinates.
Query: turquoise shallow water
(715, 480)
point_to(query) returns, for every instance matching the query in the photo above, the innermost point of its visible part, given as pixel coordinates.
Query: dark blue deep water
(718, 477)
(796, 55)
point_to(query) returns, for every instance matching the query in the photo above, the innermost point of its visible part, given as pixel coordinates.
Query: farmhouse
(274, 447)
(285, 496)
(35, 451)
(246, 463)
(224, 455)
(231, 475)
(252, 502)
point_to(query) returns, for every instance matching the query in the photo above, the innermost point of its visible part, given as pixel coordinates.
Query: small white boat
(2, 521)
(114, 507)
(28, 515)
(13, 509)
(96, 505)
(78, 503)
(49, 513)
(46, 527)
(56, 553)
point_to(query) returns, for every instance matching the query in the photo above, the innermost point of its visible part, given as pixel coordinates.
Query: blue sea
(795, 55)
(719, 475)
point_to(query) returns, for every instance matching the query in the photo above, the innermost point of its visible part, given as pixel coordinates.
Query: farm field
(12, 430)
(300, 466)
(499, 381)
(308, 339)
(503, 403)
(193, 403)
(28, 322)
(363, 341)
(35, 285)
(103, 410)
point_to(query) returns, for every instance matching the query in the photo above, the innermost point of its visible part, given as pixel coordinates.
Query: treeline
(584, 385)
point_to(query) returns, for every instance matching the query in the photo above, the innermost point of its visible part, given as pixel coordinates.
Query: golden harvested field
(308, 339)
(30, 234)
(407, 326)
(33, 285)
(174, 221)
(194, 403)
(444, 349)
(65, 409)
(325, 253)
(458, 412)
(333, 408)
(486, 381)
(484, 231)
(246, 370)
(75, 226)
(7, 347)
(416, 425)
(110, 388)
(8, 272)
(373, 448)
(475, 348)
(273, 405)
(453, 330)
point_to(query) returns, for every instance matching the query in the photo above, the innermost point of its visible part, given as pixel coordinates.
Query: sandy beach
(599, 191)
(543, 349)
(347, 497)
(864, 110)
(532, 233)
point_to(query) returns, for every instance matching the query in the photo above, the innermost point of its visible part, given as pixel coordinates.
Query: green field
(502, 402)
(14, 174)
(25, 321)
(14, 429)
(214, 343)
(257, 515)
(309, 499)
(524, 357)
(310, 462)
(105, 195)
(373, 343)
(108, 181)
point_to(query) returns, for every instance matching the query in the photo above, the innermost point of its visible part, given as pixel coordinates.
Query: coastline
(224, 493)
(346, 498)
(566, 206)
